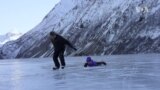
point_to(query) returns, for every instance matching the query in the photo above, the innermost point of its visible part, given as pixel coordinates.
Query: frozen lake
(123, 72)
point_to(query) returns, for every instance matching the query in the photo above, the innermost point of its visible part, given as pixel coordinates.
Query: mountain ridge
(9, 37)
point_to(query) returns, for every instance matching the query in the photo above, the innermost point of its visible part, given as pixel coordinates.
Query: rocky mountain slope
(95, 27)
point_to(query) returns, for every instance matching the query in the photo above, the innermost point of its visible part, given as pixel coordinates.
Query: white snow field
(123, 72)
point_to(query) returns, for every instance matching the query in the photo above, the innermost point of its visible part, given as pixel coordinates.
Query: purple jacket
(90, 62)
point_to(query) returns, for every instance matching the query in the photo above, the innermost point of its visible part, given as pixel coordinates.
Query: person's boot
(55, 68)
(105, 63)
(62, 67)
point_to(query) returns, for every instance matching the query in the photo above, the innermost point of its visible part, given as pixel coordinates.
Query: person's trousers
(60, 55)
(101, 63)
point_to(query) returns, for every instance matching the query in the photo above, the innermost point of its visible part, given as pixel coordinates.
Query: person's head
(88, 59)
(52, 35)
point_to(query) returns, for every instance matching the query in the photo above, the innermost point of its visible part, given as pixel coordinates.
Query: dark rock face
(95, 27)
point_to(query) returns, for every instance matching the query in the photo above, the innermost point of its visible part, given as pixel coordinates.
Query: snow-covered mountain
(95, 27)
(9, 37)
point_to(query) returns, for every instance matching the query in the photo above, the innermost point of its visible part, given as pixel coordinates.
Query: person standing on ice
(59, 44)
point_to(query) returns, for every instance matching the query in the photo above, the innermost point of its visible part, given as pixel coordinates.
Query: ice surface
(123, 72)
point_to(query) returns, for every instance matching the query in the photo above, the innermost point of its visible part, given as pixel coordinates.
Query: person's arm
(86, 64)
(65, 41)
(69, 44)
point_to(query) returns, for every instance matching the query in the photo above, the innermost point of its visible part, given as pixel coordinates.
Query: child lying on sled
(91, 63)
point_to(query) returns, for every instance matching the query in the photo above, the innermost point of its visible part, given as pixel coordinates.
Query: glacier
(123, 72)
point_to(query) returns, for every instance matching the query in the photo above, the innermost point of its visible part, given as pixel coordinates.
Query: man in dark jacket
(59, 44)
